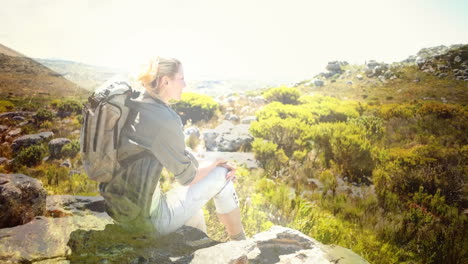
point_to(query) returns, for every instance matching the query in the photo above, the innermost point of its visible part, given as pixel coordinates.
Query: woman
(152, 139)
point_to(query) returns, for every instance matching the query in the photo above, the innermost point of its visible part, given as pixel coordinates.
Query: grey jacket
(151, 139)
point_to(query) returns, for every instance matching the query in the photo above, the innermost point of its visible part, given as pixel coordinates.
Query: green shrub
(6, 106)
(284, 111)
(329, 109)
(441, 110)
(282, 94)
(195, 107)
(71, 149)
(29, 156)
(43, 115)
(289, 134)
(346, 146)
(67, 107)
(268, 155)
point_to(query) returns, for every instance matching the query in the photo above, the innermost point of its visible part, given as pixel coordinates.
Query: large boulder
(227, 137)
(277, 245)
(56, 145)
(45, 237)
(21, 199)
(28, 140)
(76, 229)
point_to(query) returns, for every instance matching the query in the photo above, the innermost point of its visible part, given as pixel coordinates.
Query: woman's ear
(164, 80)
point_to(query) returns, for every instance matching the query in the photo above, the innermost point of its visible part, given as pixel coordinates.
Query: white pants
(182, 205)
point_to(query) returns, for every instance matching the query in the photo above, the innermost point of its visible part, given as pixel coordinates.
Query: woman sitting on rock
(152, 139)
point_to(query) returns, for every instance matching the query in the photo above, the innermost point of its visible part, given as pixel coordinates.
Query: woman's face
(175, 86)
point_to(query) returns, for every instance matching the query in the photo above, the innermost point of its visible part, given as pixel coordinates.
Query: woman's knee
(217, 177)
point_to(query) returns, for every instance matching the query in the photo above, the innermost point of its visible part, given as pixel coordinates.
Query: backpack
(103, 119)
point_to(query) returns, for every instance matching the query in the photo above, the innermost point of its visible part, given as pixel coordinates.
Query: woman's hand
(231, 175)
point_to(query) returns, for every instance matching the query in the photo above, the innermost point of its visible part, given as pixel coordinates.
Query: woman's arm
(202, 172)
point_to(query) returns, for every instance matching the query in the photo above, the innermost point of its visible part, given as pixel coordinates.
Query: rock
(66, 163)
(372, 64)
(232, 117)
(3, 128)
(12, 114)
(77, 229)
(45, 238)
(14, 132)
(56, 145)
(334, 67)
(457, 59)
(359, 77)
(23, 123)
(349, 82)
(18, 118)
(227, 137)
(420, 61)
(21, 199)
(209, 136)
(28, 140)
(246, 109)
(257, 100)
(248, 119)
(277, 245)
(318, 83)
(229, 109)
(3, 160)
(192, 131)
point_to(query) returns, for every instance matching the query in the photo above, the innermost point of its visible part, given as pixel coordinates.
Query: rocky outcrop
(76, 229)
(21, 199)
(277, 245)
(443, 61)
(28, 140)
(333, 68)
(19, 113)
(45, 238)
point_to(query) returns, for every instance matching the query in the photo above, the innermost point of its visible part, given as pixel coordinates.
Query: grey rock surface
(228, 137)
(77, 230)
(56, 145)
(21, 199)
(28, 140)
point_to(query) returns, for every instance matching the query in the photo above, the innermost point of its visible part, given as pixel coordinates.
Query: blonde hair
(158, 67)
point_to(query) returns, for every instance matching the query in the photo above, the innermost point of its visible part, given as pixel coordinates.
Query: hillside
(25, 78)
(86, 76)
(7, 51)
(437, 74)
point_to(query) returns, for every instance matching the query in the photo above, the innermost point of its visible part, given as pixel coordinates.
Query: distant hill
(21, 76)
(87, 76)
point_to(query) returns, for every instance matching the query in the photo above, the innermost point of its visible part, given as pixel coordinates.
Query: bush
(30, 156)
(277, 109)
(268, 155)
(329, 109)
(71, 149)
(346, 146)
(6, 106)
(43, 115)
(195, 107)
(67, 107)
(289, 134)
(283, 94)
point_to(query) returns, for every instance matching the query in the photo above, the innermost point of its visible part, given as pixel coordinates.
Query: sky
(242, 39)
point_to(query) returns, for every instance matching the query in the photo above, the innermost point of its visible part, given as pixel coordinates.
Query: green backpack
(104, 116)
